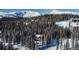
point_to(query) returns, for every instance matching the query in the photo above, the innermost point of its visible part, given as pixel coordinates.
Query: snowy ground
(63, 45)
(51, 48)
(64, 24)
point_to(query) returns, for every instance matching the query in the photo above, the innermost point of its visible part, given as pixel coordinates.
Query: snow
(38, 35)
(6, 44)
(7, 14)
(39, 42)
(64, 24)
(2, 13)
(31, 14)
(15, 46)
(23, 48)
(0, 40)
(63, 45)
(32, 20)
(63, 12)
(0, 17)
(20, 13)
(74, 24)
(51, 48)
(19, 47)
(27, 23)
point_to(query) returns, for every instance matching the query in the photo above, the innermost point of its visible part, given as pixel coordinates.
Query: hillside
(31, 28)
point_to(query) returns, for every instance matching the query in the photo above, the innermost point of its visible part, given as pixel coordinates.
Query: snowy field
(64, 24)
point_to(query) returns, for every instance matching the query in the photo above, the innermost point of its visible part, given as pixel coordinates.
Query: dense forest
(42, 25)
